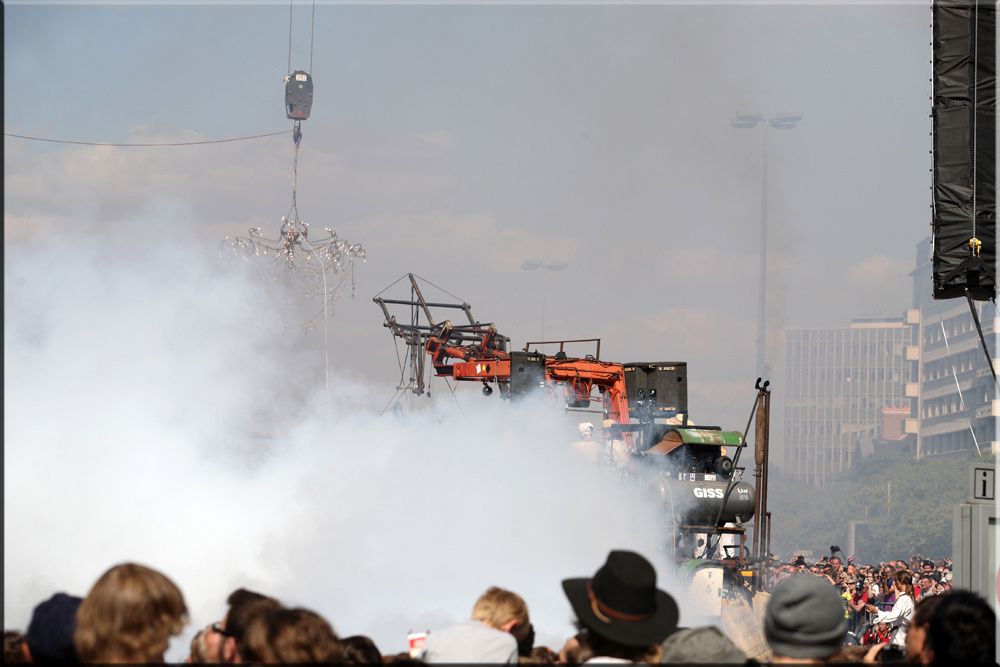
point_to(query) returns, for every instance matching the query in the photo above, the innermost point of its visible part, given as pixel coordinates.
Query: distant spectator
(836, 566)
(15, 648)
(290, 636)
(507, 611)
(129, 616)
(244, 607)
(50, 632)
(858, 604)
(586, 446)
(898, 618)
(624, 614)
(360, 650)
(962, 630)
(917, 648)
(700, 645)
(804, 621)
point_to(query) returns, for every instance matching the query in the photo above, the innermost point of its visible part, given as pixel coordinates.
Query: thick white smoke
(135, 381)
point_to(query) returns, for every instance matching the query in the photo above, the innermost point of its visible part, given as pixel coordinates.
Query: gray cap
(694, 645)
(470, 642)
(805, 618)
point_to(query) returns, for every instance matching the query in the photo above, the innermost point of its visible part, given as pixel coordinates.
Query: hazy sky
(456, 141)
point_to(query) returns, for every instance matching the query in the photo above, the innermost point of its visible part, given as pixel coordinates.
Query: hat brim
(652, 630)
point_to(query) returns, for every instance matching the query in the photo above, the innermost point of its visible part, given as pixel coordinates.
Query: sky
(453, 141)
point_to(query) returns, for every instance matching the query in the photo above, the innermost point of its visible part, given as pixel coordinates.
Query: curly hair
(129, 615)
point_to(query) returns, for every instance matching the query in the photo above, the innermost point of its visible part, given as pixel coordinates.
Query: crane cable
(143, 145)
(296, 127)
(312, 34)
(974, 243)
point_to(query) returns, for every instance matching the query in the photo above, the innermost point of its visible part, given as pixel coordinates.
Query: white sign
(983, 483)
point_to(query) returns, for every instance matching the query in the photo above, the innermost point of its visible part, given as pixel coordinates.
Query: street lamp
(536, 264)
(780, 121)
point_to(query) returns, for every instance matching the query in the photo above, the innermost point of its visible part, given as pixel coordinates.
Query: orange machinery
(476, 352)
(486, 361)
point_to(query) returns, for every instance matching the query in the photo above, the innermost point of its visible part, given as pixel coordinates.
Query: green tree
(917, 520)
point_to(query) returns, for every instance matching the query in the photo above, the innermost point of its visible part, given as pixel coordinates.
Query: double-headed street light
(780, 121)
(536, 264)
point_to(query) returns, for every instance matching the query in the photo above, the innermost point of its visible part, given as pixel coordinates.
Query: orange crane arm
(577, 376)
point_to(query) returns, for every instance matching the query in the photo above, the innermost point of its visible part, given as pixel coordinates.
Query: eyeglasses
(217, 627)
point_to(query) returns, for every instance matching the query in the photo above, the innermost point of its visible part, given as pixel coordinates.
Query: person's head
(917, 648)
(200, 653)
(622, 611)
(244, 607)
(851, 654)
(50, 632)
(540, 655)
(804, 620)
(961, 630)
(14, 648)
(129, 616)
(504, 610)
(360, 650)
(290, 636)
(903, 584)
(700, 645)
(212, 639)
(586, 430)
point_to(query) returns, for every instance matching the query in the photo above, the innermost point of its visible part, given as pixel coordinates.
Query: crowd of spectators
(815, 613)
(871, 592)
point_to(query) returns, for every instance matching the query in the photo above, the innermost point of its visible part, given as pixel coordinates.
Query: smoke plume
(159, 411)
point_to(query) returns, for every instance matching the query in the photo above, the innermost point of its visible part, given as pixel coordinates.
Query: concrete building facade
(956, 398)
(842, 385)
(917, 385)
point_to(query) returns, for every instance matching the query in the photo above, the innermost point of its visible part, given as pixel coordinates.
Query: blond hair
(129, 616)
(199, 654)
(498, 606)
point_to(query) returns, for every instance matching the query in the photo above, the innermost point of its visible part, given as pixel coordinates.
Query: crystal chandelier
(297, 267)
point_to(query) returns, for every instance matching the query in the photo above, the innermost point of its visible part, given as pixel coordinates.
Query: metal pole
(545, 284)
(760, 443)
(762, 278)
(764, 471)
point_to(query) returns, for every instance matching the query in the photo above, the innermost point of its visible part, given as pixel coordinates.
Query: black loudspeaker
(964, 121)
(656, 389)
(298, 95)
(527, 373)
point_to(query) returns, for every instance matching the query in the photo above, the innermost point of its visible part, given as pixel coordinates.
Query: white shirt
(899, 618)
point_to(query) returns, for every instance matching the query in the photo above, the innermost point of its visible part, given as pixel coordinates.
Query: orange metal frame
(579, 377)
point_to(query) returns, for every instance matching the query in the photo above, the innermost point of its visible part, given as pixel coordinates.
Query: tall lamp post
(535, 265)
(781, 121)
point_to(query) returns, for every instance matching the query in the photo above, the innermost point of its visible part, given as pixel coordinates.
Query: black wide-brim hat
(621, 602)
